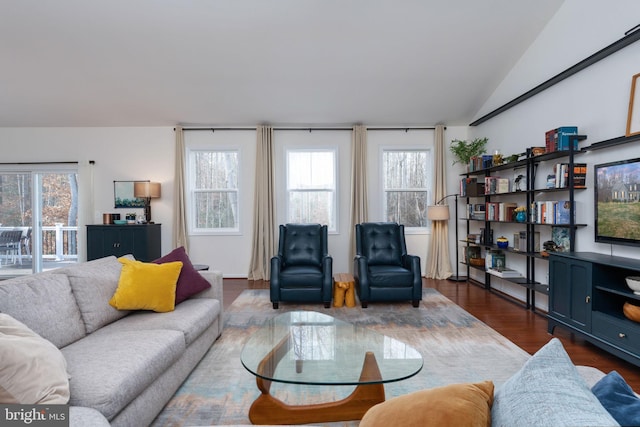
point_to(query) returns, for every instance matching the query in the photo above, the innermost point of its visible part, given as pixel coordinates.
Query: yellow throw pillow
(453, 405)
(146, 286)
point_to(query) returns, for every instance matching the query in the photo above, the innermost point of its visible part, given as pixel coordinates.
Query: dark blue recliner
(382, 269)
(302, 269)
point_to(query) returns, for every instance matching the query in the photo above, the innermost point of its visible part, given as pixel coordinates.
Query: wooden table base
(268, 410)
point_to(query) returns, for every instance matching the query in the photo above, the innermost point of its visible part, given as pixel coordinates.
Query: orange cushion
(453, 405)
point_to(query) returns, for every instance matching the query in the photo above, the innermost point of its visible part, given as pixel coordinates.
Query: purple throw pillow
(190, 282)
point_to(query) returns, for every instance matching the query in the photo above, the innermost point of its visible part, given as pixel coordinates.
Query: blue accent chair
(383, 271)
(302, 269)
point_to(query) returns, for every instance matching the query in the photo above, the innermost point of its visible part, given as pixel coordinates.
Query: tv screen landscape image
(617, 202)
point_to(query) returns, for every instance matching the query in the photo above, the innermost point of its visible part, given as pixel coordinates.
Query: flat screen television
(617, 202)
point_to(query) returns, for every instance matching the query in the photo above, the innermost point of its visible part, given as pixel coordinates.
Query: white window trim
(192, 230)
(409, 147)
(336, 175)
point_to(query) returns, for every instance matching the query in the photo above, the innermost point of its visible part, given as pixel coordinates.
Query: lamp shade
(438, 212)
(146, 189)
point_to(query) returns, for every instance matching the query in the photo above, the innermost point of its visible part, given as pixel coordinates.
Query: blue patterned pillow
(618, 398)
(548, 391)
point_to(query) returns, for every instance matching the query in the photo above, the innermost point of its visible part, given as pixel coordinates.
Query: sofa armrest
(214, 277)
(215, 291)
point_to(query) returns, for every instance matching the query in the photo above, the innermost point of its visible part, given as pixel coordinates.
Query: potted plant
(464, 150)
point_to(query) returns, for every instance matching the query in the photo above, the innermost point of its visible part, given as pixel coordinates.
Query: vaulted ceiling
(244, 62)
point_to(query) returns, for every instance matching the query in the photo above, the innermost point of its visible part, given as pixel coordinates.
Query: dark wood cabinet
(570, 294)
(143, 241)
(586, 294)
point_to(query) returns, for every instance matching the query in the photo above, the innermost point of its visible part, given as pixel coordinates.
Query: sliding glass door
(38, 219)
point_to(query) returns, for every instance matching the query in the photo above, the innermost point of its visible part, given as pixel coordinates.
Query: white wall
(120, 154)
(596, 100)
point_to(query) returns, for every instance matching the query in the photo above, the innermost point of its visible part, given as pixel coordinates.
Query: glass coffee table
(306, 347)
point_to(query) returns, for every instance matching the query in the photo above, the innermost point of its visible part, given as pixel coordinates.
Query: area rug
(456, 347)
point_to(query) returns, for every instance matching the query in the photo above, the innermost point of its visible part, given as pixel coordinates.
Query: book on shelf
(499, 211)
(552, 212)
(470, 187)
(562, 212)
(495, 259)
(558, 139)
(561, 171)
(504, 272)
(487, 161)
(486, 236)
(496, 185)
(506, 211)
(475, 211)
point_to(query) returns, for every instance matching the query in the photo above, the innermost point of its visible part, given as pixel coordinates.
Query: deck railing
(59, 242)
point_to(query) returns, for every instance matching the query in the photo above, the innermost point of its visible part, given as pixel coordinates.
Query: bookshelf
(493, 198)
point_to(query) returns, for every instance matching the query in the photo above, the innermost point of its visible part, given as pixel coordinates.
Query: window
(41, 204)
(311, 187)
(406, 186)
(214, 190)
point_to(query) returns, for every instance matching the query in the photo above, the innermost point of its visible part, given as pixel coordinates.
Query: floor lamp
(440, 212)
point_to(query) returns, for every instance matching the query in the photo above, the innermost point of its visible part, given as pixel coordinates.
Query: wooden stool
(343, 290)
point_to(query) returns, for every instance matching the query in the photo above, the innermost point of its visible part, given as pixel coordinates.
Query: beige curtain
(264, 243)
(438, 261)
(359, 200)
(180, 235)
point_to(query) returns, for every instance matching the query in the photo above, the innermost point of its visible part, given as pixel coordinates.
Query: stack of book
(504, 272)
(558, 139)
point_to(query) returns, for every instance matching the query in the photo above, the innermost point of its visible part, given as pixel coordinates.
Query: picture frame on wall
(123, 195)
(633, 119)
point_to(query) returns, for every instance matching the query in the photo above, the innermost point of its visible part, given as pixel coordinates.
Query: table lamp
(147, 190)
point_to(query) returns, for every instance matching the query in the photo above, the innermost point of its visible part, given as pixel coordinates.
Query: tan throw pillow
(32, 370)
(453, 405)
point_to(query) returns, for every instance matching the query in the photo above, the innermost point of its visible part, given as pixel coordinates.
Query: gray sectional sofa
(123, 366)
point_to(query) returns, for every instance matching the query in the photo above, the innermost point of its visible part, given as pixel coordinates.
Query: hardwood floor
(526, 329)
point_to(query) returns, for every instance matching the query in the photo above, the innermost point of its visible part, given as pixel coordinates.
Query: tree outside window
(215, 190)
(406, 186)
(311, 187)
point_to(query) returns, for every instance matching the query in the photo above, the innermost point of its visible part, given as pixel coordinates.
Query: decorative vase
(521, 216)
(502, 242)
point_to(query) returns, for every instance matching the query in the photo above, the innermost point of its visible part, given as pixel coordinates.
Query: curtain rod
(405, 128)
(91, 162)
(630, 36)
